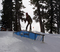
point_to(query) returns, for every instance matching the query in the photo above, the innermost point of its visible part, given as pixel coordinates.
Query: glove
(22, 20)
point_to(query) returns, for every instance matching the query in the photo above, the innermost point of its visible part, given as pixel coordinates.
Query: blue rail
(30, 35)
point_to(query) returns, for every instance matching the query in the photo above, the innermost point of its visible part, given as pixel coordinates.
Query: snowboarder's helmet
(26, 13)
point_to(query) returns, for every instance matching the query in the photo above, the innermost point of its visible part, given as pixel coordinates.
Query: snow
(10, 42)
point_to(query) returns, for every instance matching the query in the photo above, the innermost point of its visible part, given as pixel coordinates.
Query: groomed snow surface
(10, 42)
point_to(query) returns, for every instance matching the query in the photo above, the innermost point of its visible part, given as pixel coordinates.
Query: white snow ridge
(10, 42)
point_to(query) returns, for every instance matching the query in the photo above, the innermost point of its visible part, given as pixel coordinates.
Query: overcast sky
(0, 7)
(30, 12)
(0, 4)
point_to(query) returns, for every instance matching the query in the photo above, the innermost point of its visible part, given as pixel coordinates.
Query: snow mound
(10, 42)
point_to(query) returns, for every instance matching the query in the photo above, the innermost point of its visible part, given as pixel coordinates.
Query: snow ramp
(10, 42)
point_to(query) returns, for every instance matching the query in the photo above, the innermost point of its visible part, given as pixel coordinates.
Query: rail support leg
(42, 38)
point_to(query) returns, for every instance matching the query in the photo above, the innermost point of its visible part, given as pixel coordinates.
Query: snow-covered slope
(10, 42)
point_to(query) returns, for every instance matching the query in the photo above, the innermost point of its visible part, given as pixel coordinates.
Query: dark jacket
(28, 18)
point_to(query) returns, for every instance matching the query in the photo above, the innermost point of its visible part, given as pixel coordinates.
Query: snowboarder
(28, 18)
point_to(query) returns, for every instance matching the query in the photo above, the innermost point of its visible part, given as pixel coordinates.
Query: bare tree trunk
(40, 19)
(51, 15)
(18, 25)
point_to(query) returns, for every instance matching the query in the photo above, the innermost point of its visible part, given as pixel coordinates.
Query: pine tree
(7, 14)
(52, 20)
(39, 12)
(49, 17)
(18, 14)
(58, 15)
(12, 12)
